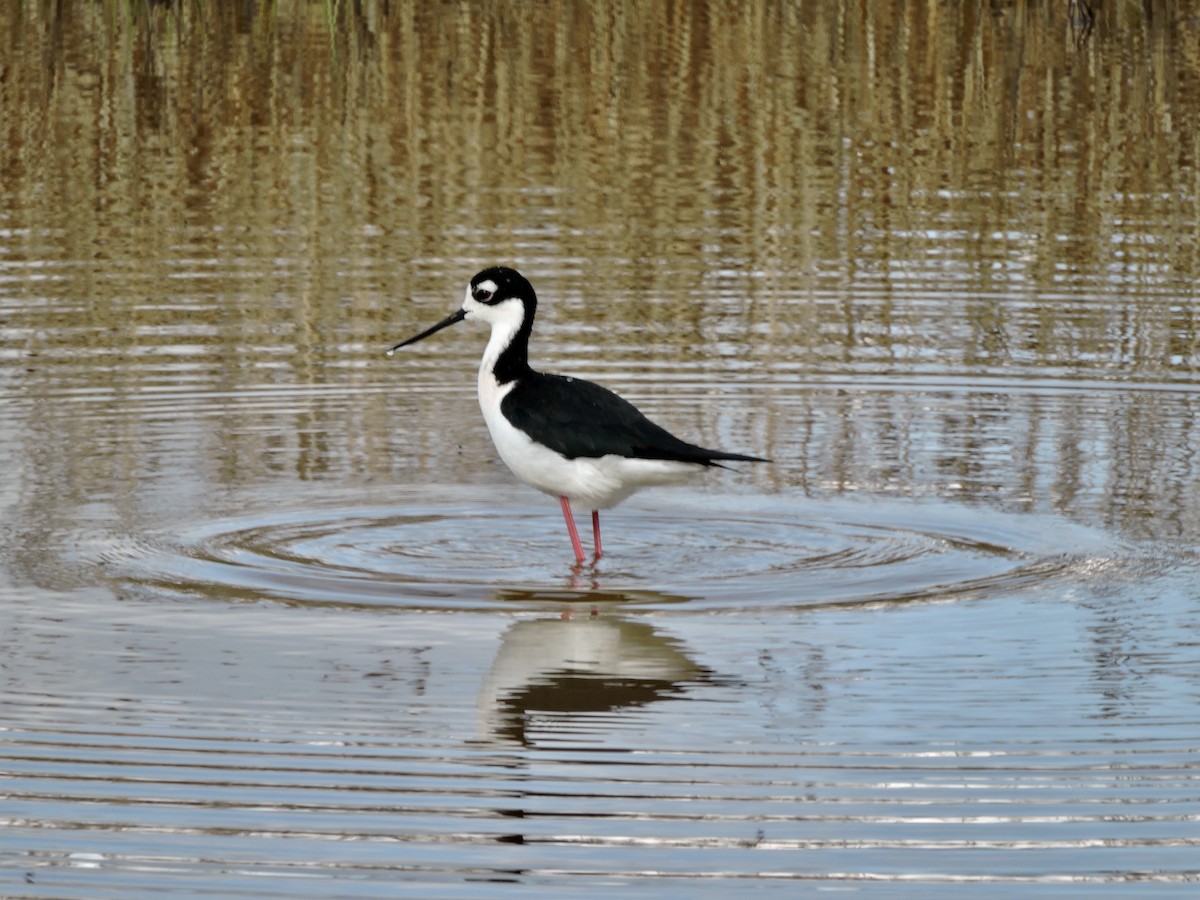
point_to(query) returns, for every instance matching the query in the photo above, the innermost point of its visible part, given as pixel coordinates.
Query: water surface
(276, 622)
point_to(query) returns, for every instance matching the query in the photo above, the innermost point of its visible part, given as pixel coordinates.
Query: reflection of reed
(795, 137)
(845, 189)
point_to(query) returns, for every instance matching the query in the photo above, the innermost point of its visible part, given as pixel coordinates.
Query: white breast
(589, 482)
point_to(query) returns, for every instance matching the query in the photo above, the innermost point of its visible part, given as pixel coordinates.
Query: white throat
(505, 319)
(512, 444)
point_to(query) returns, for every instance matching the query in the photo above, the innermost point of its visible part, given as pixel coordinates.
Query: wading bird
(565, 436)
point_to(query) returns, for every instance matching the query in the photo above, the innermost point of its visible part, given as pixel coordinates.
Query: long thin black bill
(445, 323)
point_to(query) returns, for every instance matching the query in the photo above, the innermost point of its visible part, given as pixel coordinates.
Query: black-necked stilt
(570, 438)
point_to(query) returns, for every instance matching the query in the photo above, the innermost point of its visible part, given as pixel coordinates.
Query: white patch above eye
(485, 290)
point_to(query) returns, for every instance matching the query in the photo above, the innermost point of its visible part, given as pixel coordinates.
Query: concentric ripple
(444, 551)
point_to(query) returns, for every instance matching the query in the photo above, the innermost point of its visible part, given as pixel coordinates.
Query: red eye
(482, 295)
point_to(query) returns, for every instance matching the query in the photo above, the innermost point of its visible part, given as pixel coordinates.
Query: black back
(580, 419)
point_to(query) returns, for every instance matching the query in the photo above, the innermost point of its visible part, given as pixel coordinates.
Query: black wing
(577, 418)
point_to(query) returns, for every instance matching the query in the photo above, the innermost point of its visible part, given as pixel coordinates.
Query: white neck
(505, 320)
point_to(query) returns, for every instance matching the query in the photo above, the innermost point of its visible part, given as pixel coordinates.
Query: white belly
(590, 482)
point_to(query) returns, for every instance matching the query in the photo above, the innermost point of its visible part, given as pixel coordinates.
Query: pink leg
(571, 530)
(596, 532)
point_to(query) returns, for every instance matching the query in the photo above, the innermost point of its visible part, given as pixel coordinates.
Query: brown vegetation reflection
(235, 201)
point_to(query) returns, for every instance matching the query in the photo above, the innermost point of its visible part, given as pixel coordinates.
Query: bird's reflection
(552, 673)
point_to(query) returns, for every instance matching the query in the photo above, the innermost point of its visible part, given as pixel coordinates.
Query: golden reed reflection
(788, 135)
(237, 197)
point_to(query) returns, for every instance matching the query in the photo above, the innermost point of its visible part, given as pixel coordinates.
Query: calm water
(274, 620)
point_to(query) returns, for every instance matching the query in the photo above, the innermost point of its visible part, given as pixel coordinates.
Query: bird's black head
(501, 297)
(495, 285)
